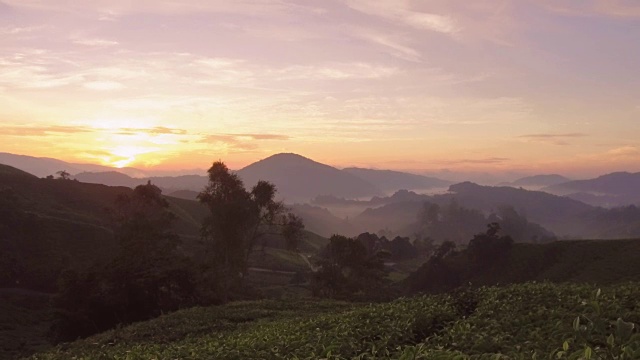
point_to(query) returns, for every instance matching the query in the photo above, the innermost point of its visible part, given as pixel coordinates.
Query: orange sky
(516, 85)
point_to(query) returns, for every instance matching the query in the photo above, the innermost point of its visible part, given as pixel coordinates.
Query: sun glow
(124, 155)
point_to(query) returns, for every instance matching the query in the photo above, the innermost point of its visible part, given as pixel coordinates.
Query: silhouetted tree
(63, 175)
(489, 247)
(238, 219)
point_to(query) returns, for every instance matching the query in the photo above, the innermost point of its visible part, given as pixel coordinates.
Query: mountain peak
(290, 158)
(301, 178)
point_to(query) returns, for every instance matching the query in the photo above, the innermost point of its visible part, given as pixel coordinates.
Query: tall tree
(239, 218)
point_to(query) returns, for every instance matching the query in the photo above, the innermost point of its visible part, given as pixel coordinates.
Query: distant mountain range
(297, 178)
(565, 217)
(300, 179)
(615, 189)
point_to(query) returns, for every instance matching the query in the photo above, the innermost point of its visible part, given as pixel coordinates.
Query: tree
(63, 175)
(488, 248)
(346, 269)
(238, 219)
(143, 225)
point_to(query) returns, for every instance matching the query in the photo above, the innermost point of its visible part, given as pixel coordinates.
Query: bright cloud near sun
(420, 85)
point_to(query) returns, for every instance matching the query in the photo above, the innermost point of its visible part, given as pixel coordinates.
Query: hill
(301, 179)
(388, 180)
(615, 189)
(167, 183)
(109, 178)
(538, 181)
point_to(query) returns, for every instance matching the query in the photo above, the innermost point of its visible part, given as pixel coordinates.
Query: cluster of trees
(151, 274)
(458, 224)
(347, 269)
(148, 276)
(399, 248)
(449, 268)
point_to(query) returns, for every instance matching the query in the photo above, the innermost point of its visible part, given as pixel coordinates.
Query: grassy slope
(517, 321)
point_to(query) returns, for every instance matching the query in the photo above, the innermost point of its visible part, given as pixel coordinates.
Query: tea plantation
(525, 321)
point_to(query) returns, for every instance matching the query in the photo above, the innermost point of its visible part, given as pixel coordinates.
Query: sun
(125, 155)
(124, 142)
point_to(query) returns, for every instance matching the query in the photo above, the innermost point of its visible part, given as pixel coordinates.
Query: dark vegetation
(78, 259)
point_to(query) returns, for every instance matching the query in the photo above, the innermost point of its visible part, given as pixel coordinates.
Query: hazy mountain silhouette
(615, 189)
(110, 178)
(388, 180)
(563, 216)
(43, 166)
(538, 181)
(167, 183)
(300, 179)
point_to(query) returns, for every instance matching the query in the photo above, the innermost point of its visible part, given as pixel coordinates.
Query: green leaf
(624, 330)
(587, 353)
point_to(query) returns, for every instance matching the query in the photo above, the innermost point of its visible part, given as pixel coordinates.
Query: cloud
(19, 30)
(244, 137)
(103, 85)
(483, 161)
(336, 71)
(607, 8)
(398, 11)
(95, 42)
(113, 9)
(556, 139)
(394, 44)
(240, 142)
(158, 130)
(624, 151)
(37, 130)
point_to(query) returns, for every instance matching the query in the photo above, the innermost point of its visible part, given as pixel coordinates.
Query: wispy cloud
(240, 142)
(95, 42)
(482, 161)
(609, 8)
(158, 130)
(394, 44)
(401, 12)
(556, 139)
(244, 137)
(38, 130)
(625, 151)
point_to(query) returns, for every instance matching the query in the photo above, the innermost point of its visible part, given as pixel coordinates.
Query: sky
(531, 86)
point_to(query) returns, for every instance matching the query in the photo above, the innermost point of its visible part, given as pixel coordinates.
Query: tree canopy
(239, 218)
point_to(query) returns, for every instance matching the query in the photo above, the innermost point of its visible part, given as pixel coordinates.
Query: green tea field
(524, 321)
